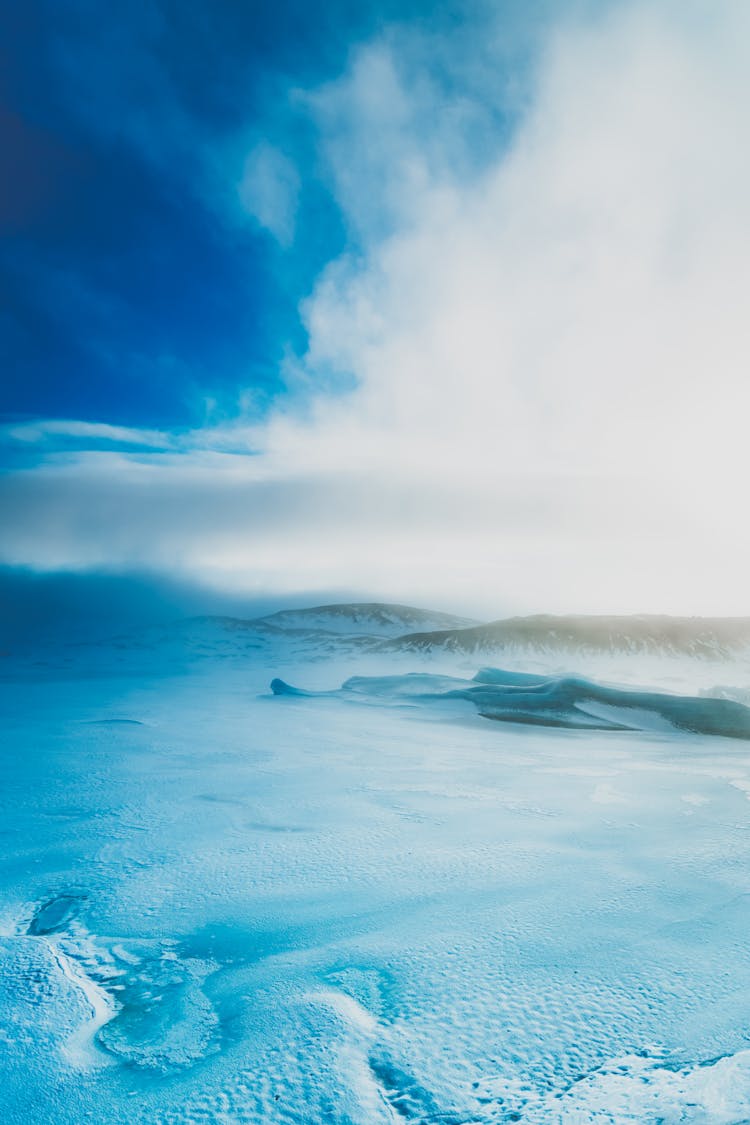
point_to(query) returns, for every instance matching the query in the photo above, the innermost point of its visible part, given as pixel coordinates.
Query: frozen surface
(217, 905)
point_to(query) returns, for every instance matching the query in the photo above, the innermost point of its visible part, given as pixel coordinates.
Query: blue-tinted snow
(218, 906)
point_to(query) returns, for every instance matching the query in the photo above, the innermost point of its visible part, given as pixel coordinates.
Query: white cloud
(269, 191)
(44, 429)
(549, 343)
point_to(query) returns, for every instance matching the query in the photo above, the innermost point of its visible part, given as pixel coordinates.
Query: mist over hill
(382, 630)
(373, 618)
(687, 636)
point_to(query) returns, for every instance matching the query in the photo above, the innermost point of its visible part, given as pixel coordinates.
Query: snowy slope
(376, 619)
(592, 636)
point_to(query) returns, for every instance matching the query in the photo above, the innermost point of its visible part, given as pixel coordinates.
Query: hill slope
(689, 636)
(376, 619)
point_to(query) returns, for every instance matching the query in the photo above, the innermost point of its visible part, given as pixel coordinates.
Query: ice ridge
(557, 701)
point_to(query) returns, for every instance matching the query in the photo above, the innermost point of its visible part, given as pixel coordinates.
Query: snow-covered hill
(706, 637)
(379, 619)
(383, 631)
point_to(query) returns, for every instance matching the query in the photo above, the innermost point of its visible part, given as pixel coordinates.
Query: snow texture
(373, 906)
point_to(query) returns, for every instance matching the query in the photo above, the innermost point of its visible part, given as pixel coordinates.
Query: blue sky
(130, 294)
(135, 291)
(431, 302)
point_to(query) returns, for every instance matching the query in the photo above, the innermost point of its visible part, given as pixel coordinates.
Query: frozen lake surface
(217, 905)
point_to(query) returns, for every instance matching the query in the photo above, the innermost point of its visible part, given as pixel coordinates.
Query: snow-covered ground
(217, 905)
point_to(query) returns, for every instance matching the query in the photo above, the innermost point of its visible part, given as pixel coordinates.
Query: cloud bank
(525, 386)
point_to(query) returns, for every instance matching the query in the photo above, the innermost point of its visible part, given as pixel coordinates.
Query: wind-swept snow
(221, 906)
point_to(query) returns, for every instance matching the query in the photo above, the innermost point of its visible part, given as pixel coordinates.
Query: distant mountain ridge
(369, 618)
(640, 633)
(387, 627)
(379, 628)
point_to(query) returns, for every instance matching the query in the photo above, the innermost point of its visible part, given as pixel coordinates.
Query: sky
(441, 303)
